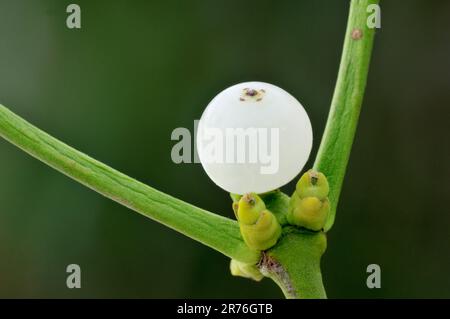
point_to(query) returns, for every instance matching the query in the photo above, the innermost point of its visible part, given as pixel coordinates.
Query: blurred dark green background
(138, 69)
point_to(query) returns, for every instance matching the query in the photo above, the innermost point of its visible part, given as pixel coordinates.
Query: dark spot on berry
(251, 92)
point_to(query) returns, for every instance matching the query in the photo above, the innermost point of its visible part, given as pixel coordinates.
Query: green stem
(217, 232)
(339, 133)
(294, 264)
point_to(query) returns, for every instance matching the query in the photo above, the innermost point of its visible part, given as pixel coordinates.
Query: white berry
(253, 137)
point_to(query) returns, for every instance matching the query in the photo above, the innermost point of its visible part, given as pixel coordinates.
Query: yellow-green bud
(259, 227)
(309, 212)
(249, 208)
(312, 184)
(309, 206)
(241, 269)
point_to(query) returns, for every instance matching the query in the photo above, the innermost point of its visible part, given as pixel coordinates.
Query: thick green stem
(294, 264)
(217, 232)
(337, 139)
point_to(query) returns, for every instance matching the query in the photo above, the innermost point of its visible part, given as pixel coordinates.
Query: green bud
(241, 269)
(249, 208)
(259, 227)
(312, 184)
(309, 212)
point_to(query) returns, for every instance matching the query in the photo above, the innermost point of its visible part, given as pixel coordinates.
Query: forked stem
(294, 263)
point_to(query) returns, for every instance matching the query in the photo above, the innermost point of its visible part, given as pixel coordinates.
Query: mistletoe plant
(277, 236)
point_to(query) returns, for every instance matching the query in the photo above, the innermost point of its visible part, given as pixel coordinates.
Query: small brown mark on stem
(270, 267)
(357, 34)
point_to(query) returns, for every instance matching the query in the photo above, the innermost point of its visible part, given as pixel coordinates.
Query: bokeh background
(137, 70)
